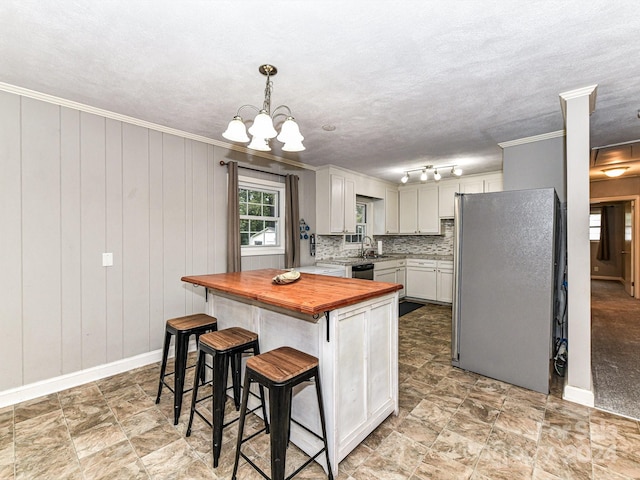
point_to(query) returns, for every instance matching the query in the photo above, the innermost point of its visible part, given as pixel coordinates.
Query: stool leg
(279, 403)
(236, 367)
(220, 368)
(256, 351)
(182, 342)
(194, 392)
(243, 411)
(163, 368)
(198, 375)
(322, 423)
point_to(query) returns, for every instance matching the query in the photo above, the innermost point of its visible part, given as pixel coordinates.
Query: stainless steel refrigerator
(505, 280)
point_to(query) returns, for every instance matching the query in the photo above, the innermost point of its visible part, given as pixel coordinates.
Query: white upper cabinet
(391, 199)
(473, 184)
(428, 220)
(409, 210)
(340, 192)
(419, 210)
(447, 193)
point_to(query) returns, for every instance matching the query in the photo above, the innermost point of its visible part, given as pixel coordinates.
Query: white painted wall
(77, 184)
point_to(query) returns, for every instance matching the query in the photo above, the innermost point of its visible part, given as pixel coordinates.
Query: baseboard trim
(578, 395)
(63, 382)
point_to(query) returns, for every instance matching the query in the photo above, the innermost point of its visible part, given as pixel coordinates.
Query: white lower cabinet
(429, 280)
(392, 271)
(421, 279)
(401, 277)
(444, 282)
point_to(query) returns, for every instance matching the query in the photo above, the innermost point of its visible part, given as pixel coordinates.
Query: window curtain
(233, 219)
(291, 222)
(603, 246)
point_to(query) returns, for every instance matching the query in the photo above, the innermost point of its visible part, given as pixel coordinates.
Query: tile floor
(452, 425)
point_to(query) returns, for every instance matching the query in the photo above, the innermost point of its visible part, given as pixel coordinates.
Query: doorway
(615, 309)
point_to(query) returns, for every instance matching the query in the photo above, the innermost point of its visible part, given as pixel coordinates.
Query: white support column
(577, 105)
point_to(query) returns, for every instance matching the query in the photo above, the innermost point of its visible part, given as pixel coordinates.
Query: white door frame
(635, 239)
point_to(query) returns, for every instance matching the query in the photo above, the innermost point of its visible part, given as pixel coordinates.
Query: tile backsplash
(328, 246)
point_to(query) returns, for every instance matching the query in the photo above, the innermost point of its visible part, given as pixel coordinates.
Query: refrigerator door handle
(455, 313)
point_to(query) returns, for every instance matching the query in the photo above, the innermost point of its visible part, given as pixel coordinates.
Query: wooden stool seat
(282, 364)
(279, 371)
(226, 347)
(182, 328)
(228, 338)
(190, 322)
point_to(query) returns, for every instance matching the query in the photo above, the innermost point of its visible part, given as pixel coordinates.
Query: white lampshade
(436, 176)
(263, 126)
(405, 179)
(290, 132)
(261, 144)
(293, 146)
(457, 171)
(236, 131)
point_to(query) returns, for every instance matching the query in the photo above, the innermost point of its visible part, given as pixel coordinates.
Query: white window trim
(259, 184)
(356, 246)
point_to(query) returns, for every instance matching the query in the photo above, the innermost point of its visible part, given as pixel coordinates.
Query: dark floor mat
(406, 307)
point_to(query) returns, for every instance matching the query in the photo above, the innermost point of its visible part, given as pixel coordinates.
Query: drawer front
(422, 263)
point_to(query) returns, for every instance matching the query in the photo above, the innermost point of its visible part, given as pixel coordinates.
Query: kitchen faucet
(363, 252)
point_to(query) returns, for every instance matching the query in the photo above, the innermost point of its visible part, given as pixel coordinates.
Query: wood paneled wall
(74, 185)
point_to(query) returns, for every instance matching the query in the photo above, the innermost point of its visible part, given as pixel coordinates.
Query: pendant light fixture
(262, 130)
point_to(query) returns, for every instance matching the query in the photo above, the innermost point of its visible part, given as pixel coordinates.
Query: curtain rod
(224, 164)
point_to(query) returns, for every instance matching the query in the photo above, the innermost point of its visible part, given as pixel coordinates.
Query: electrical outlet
(596, 269)
(107, 259)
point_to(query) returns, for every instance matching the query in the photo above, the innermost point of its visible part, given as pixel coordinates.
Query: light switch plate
(107, 259)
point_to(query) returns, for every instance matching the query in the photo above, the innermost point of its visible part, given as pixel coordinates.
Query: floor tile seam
(73, 444)
(124, 433)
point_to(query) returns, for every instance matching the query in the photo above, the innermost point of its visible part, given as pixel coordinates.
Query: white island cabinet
(353, 333)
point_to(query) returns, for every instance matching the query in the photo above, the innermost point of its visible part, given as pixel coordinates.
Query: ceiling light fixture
(262, 129)
(455, 170)
(614, 172)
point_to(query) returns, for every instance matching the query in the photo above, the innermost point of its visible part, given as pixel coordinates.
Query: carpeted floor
(615, 344)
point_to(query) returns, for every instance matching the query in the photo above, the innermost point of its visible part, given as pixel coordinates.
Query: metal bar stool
(280, 370)
(226, 347)
(182, 328)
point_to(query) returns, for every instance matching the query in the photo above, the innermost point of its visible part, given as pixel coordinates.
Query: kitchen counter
(311, 294)
(350, 325)
(391, 256)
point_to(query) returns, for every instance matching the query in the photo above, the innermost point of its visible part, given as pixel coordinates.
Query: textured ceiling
(405, 83)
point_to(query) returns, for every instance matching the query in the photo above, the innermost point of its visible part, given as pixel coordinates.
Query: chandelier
(262, 129)
(455, 170)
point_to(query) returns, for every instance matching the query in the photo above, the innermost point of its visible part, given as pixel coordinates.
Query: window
(361, 225)
(594, 224)
(261, 216)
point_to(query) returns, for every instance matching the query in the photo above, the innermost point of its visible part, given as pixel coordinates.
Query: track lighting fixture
(455, 170)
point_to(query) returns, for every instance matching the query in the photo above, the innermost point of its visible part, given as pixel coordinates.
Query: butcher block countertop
(311, 294)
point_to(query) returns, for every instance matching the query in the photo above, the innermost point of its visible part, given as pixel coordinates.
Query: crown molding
(62, 102)
(591, 91)
(535, 138)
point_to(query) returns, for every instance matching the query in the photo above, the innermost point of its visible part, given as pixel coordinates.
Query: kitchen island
(351, 325)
